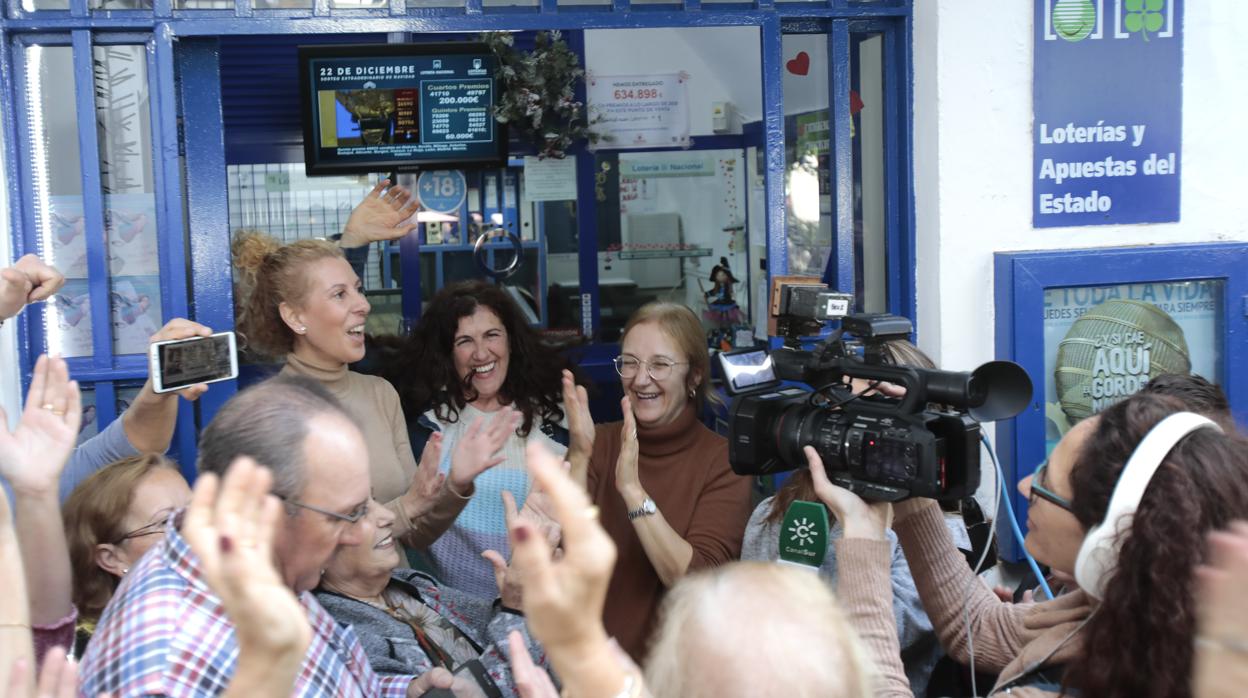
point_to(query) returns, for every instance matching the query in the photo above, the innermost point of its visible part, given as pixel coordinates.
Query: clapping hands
(33, 455)
(230, 525)
(478, 449)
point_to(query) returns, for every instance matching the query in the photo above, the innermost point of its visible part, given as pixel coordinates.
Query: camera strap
(803, 536)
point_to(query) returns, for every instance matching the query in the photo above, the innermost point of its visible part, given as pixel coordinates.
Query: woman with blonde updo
(303, 302)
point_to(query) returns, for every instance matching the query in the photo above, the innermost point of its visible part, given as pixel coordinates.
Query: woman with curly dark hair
(472, 355)
(1123, 503)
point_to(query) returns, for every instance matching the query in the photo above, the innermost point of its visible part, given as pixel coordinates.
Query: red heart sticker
(799, 65)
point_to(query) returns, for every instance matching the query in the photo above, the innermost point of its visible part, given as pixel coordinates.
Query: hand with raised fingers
(422, 494)
(231, 525)
(580, 422)
(510, 580)
(1221, 666)
(479, 448)
(181, 328)
(58, 677)
(33, 455)
(858, 518)
(563, 599)
(627, 478)
(386, 213)
(530, 680)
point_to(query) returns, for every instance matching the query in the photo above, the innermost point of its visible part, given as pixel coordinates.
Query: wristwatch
(647, 508)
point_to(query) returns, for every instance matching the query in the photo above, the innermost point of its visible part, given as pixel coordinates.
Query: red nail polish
(227, 545)
(522, 534)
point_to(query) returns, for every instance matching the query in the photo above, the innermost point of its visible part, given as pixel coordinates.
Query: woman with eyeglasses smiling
(111, 519)
(660, 478)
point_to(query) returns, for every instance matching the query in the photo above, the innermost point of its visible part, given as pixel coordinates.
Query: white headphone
(1098, 556)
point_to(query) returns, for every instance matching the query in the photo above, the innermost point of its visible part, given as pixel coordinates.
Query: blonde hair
(95, 513)
(685, 330)
(710, 641)
(267, 274)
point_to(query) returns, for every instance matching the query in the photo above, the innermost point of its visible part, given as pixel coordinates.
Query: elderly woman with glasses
(660, 479)
(111, 519)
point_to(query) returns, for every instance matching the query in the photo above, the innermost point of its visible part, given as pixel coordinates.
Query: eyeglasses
(1038, 489)
(351, 517)
(658, 369)
(148, 530)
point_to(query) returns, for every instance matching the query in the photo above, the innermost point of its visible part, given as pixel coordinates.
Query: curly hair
(1138, 643)
(424, 370)
(270, 273)
(799, 485)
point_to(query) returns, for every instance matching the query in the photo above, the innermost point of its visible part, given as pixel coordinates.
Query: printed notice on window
(1108, 102)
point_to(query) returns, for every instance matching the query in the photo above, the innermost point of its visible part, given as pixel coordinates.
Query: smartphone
(180, 363)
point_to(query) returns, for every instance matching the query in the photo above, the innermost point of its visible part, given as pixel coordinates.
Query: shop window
(807, 176)
(124, 134)
(56, 189)
(870, 233)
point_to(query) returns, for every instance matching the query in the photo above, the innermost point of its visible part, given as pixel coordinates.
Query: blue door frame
(185, 81)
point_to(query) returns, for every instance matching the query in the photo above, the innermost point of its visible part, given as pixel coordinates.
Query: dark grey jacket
(391, 644)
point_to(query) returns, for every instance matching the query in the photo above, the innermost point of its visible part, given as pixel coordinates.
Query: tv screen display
(399, 107)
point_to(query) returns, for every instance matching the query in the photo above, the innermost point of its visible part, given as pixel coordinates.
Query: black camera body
(924, 444)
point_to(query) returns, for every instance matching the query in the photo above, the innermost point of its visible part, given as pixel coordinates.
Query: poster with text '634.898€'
(1108, 106)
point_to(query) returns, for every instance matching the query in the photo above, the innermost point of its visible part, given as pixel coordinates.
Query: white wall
(973, 141)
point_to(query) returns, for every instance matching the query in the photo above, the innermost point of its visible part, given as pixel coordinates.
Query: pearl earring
(301, 329)
(125, 571)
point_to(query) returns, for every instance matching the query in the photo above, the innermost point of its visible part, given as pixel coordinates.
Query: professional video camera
(925, 444)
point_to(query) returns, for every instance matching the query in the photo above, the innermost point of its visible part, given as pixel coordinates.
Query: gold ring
(632, 434)
(59, 413)
(49, 406)
(591, 512)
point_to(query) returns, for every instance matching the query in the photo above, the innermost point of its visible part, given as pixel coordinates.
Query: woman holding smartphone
(303, 303)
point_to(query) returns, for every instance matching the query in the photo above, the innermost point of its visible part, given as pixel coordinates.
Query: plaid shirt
(166, 634)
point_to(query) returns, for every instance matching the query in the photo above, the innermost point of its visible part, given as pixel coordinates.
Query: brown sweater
(683, 466)
(375, 405)
(1009, 638)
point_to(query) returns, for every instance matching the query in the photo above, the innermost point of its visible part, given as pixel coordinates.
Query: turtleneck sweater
(374, 404)
(683, 467)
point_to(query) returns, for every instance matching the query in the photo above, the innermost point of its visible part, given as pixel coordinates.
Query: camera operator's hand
(858, 518)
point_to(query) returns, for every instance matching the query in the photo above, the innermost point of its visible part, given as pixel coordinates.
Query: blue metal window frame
(1021, 279)
(200, 283)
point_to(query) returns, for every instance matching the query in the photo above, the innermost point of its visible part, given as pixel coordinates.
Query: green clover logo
(1144, 16)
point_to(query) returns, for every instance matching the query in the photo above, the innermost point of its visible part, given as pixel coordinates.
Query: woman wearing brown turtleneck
(302, 301)
(660, 478)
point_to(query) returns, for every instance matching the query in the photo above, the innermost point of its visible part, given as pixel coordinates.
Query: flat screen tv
(399, 107)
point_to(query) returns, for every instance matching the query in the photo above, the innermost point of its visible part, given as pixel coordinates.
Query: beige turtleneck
(375, 405)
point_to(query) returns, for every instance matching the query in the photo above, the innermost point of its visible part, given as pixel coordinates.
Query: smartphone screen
(198, 360)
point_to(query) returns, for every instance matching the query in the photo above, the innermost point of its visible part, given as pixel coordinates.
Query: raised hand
(29, 280)
(230, 525)
(563, 599)
(478, 449)
(627, 478)
(510, 581)
(580, 422)
(422, 494)
(1220, 669)
(33, 456)
(858, 518)
(180, 328)
(531, 681)
(382, 215)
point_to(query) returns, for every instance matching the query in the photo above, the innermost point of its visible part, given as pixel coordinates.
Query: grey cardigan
(920, 650)
(391, 644)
